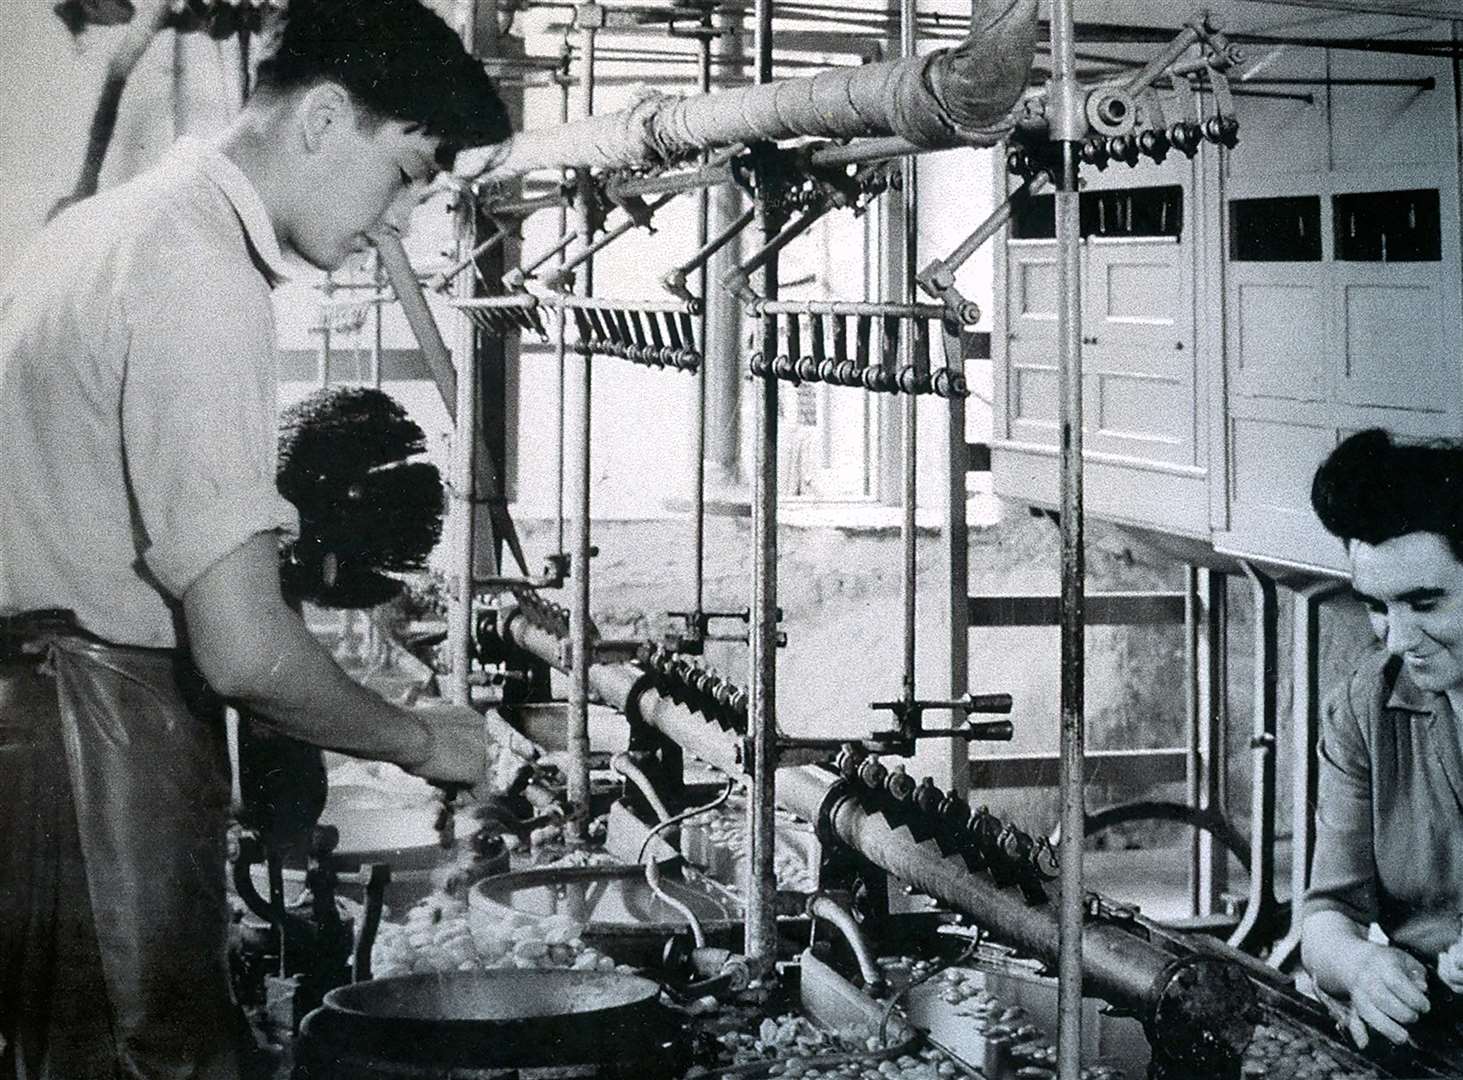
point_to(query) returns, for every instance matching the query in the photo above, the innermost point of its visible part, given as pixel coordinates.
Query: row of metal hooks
(829, 359)
(658, 334)
(662, 339)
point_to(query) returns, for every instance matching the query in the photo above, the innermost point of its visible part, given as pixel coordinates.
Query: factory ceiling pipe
(951, 97)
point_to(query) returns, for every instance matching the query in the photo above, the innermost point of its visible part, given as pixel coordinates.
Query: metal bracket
(909, 715)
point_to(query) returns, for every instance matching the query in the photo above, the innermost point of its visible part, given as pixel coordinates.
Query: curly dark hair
(1372, 488)
(396, 58)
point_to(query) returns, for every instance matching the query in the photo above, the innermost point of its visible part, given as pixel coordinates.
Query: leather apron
(114, 799)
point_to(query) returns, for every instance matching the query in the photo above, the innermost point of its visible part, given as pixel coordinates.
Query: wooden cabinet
(1310, 289)
(1144, 440)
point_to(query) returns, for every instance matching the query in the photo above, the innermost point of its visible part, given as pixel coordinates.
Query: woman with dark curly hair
(1389, 817)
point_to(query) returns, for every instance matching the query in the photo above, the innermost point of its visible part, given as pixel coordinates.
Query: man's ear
(322, 108)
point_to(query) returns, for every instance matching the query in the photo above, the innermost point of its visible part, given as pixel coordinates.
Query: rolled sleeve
(198, 417)
(1344, 871)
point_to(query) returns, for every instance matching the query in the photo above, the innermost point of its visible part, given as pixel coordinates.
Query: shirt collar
(1407, 695)
(244, 197)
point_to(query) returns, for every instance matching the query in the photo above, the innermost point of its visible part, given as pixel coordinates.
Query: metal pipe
(442, 278)
(521, 208)
(378, 281)
(632, 692)
(952, 97)
(862, 150)
(1260, 904)
(625, 765)
(561, 326)
(464, 483)
(560, 246)
(704, 177)
(605, 239)
(326, 288)
(995, 223)
(1067, 102)
(772, 245)
(1187, 38)
(822, 906)
(598, 303)
(698, 450)
(1305, 723)
(844, 307)
(577, 736)
(908, 266)
(1193, 1007)
(722, 345)
(761, 917)
(500, 302)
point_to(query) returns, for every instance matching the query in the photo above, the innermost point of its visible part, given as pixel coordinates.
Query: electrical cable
(652, 868)
(898, 996)
(686, 815)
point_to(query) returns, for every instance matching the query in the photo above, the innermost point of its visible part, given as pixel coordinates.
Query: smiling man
(137, 428)
(1389, 818)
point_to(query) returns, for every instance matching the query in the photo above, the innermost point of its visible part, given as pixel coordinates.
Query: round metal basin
(490, 1019)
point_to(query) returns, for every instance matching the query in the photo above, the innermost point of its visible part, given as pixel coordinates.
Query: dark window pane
(1285, 229)
(1388, 226)
(1137, 212)
(1035, 218)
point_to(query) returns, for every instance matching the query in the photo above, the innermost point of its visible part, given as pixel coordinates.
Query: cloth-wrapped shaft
(951, 97)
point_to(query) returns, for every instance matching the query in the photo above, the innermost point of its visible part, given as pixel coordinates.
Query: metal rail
(1069, 125)
(761, 918)
(588, 18)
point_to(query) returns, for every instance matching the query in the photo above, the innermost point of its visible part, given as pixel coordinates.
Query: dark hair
(1371, 488)
(396, 58)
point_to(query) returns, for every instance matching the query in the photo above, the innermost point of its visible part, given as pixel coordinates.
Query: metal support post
(1068, 128)
(1305, 726)
(559, 332)
(1260, 907)
(761, 920)
(464, 478)
(1205, 625)
(698, 465)
(908, 253)
(378, 281)
(588, 18)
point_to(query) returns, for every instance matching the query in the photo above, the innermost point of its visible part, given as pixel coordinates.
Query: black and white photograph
(731, 539)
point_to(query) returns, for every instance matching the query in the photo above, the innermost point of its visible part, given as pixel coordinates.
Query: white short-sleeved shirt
(137, 397)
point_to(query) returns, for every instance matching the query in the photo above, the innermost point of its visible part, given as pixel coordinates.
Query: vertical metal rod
(327, 289)
(1211, 870)
(761, 922)
(559, 333)
(955, 551)
(908, 253)
(577, 736)
(378, 281)
(721, 348)
(1305, 724)
(1260, 904)
(1193, 726)
(1068, 129)
(698, 480)
(464, 482)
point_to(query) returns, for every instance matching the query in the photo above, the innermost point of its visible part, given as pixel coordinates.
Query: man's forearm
(307, 696)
